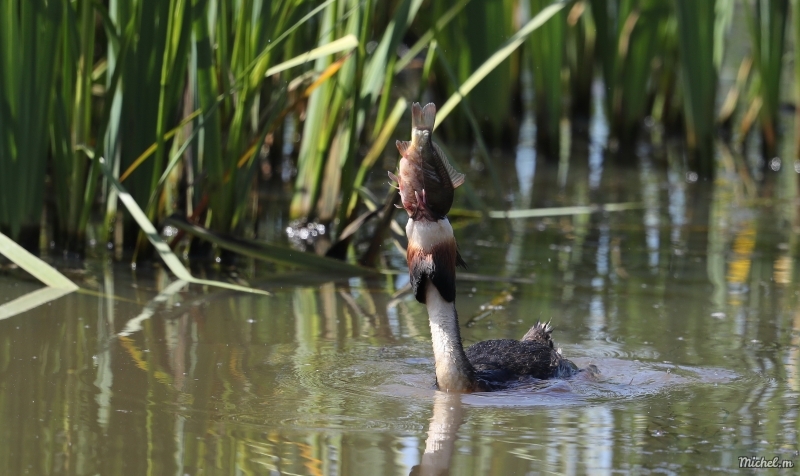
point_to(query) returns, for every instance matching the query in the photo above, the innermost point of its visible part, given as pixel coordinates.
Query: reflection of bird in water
(426, 181)
(448, 415)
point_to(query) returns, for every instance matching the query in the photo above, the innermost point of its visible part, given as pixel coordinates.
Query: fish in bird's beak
(425, 177)
(427, 183)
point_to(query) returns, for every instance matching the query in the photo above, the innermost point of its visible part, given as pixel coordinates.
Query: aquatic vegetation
(547, 59)
(208, 114)
(696, 37)
(767, 21)
(29, 35)
(197, 105)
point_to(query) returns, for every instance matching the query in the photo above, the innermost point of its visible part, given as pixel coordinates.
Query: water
(688, 306)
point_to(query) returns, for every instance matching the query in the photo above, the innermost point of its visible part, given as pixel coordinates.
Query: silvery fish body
(426, 179)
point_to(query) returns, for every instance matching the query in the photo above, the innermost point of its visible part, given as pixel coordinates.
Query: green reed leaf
(346, 43)
(37, 268)
(57, 284)
(498, 57)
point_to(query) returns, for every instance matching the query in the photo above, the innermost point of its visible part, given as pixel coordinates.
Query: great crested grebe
(427, 182)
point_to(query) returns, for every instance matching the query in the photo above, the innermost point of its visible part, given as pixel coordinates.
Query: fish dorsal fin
(402, 146)
(423, 117)
(456, 177)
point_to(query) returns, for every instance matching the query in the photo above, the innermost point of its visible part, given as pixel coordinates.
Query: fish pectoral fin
(402, 146)
(457, 178)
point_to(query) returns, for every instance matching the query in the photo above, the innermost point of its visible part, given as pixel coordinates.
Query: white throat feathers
(454, 373)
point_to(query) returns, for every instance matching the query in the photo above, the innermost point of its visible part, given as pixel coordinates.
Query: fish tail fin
(423, 117)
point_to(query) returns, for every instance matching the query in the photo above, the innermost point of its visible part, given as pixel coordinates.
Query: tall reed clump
(580, 53)
(185, 98)
(627, 39)
(796, 35)
(696, 22)
(233, 134)
(29, 42)
(337, 112)
(71, 126)
(153, 76)
(331, 120)
(466, 41)
(546, 46)
(767, 20)
(192, 94)
(222, 95)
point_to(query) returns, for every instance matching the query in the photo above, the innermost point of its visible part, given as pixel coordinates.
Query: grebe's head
(432, 255)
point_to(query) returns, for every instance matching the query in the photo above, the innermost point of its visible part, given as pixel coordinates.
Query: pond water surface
(687, 304)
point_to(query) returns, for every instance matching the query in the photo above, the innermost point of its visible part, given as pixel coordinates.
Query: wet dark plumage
(502, 361)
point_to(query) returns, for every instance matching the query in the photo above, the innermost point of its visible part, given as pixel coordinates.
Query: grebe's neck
(454, 373)
(432, 256)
